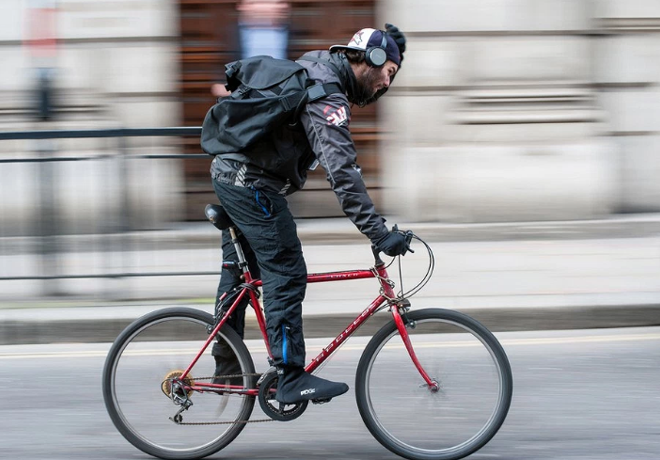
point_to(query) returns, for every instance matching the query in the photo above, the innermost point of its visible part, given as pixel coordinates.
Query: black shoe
(294, 385)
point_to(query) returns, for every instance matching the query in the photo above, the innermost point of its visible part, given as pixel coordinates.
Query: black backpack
(265, 94)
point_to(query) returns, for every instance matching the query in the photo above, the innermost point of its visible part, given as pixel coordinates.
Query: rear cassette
(171, 386)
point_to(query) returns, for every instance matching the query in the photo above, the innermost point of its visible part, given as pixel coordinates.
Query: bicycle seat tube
(242, 262)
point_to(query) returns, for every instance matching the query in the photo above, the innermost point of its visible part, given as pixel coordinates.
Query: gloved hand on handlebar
(395, 243)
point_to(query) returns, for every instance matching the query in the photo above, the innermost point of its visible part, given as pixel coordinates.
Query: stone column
(627, 78)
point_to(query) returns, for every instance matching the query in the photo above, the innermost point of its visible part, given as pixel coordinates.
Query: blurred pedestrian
(41, 41)
(263, 29)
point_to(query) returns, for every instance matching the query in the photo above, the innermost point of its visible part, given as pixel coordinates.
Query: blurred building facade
(114, 65)
(519, 110)
(504, 110)
(116, 61)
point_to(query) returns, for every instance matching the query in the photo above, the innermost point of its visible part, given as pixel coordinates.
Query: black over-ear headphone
(376, 56)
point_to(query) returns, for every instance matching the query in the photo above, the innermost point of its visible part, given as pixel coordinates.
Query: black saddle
(218, 216)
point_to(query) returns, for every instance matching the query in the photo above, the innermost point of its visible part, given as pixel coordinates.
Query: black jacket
(280, 163)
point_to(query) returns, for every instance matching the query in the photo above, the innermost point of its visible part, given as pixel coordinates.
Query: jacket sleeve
(326, 125)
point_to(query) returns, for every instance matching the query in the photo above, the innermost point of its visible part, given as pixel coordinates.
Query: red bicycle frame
(250, 289)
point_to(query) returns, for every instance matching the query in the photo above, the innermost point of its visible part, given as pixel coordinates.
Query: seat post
(242, 263)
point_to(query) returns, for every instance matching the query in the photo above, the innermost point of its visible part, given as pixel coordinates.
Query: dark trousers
(274, 253)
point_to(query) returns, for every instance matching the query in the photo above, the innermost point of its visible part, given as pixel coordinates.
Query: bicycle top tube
(332, 276)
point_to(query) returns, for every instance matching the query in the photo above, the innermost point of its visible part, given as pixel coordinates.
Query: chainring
(273, 408)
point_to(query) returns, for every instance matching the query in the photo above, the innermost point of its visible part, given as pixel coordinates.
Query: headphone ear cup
(376, 56)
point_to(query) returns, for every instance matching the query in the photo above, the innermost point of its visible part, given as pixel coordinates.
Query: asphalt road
(581, 394)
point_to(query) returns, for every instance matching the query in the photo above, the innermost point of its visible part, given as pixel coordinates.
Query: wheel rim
(423, 424)
(147, 357)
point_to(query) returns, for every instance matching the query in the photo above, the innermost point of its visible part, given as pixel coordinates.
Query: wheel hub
(172, 382)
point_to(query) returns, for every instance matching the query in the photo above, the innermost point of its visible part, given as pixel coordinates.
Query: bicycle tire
(406, 437)
(126, 418)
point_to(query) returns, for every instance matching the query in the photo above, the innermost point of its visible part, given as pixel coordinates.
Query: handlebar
(409, 236)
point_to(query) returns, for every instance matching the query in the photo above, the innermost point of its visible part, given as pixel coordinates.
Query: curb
(20, 332)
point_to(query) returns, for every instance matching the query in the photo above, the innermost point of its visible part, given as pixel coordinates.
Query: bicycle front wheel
(138, 392)
(474, 386)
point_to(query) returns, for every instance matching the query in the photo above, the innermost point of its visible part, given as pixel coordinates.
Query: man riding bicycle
(252, 189)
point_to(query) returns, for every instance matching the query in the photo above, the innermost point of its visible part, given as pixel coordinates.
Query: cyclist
(252, 190)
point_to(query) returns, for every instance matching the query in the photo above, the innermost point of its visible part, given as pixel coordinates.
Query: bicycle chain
(229, 376)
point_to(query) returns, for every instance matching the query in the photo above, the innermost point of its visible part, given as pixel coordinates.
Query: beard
(365, 87)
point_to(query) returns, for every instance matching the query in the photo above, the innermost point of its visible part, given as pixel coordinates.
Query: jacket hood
(326, 74)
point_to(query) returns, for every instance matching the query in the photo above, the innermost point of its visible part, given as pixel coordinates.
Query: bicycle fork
(432, 384)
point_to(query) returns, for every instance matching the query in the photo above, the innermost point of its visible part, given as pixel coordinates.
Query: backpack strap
(314, 93)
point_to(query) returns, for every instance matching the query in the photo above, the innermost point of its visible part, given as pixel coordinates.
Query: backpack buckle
(316, 92)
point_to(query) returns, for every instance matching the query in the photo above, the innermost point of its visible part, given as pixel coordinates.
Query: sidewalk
(509, 276)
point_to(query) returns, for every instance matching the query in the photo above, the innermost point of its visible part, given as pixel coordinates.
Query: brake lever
(409, 236)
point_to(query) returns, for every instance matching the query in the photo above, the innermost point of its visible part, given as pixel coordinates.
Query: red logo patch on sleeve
(337, 117)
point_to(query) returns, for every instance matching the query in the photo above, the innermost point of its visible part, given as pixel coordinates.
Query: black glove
(400, 39)
(393, 244)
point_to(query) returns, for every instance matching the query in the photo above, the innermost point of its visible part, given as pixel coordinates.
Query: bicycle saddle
(218, 216)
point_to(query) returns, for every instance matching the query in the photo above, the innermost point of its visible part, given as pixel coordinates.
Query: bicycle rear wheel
(149, 352)
(473, 376)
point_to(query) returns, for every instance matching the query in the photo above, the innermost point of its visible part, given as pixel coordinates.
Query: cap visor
(344, 47)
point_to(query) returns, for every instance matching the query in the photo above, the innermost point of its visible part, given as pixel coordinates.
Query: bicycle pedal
(321, 401)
